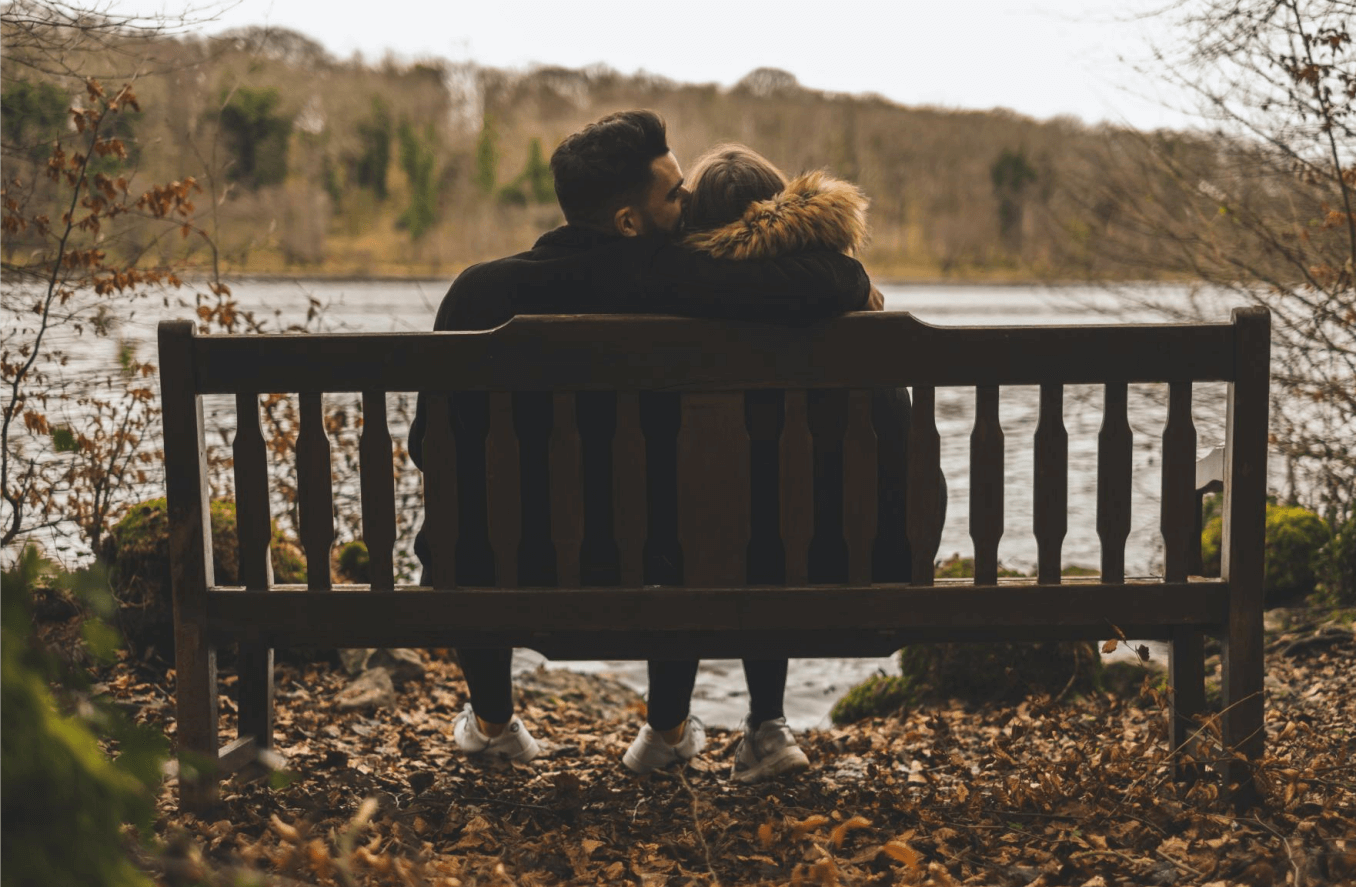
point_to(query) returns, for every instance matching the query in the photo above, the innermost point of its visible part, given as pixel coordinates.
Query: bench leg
(1244, 713)
(1186, 678)
(256, 694)
(195, 683)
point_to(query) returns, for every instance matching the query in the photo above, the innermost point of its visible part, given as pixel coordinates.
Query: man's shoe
(768, 751)
(649, 751)
(515, 743)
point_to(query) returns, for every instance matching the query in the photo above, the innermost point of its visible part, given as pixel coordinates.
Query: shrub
(1337, 567)
(876, 696)
(64, 802)
(1294, 539)
(985, 672)
(353, 562)
(136, 551)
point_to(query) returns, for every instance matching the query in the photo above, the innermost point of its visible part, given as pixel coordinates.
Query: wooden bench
(715, 613)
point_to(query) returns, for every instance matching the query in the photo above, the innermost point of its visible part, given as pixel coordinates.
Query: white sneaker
(649, 751)
(769, 751)
(515, 743)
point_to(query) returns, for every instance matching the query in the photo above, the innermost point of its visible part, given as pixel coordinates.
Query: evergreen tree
(487, 158)
(257, 134)
(418, 160)
(374, 158)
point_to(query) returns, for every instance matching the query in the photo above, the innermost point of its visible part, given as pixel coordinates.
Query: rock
(403, 663)
(355, 660)
(596, 696)
(373, 689)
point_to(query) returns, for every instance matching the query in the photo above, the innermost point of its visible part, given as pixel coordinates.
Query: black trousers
(671, 682)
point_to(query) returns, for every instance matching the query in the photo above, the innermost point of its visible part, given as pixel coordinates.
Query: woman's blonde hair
(725, 180)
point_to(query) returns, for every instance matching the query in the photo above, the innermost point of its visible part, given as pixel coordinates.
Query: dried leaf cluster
(1080, 793)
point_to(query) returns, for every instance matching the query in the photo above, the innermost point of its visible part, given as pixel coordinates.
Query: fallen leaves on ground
(1077, 793)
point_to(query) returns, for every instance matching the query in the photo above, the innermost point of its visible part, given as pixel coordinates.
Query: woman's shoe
(768, 751)
(649, 751)
(515, 743)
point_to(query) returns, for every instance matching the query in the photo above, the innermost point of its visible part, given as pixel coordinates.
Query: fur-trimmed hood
(814, 211)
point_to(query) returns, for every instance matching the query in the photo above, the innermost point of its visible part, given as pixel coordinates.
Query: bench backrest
(712, 365)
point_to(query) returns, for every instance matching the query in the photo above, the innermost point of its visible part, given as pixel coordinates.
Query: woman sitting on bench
(743, 207)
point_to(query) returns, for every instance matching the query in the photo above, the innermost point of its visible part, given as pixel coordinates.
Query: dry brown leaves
(1078, 793)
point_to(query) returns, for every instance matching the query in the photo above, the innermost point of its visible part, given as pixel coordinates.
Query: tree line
(316, 165)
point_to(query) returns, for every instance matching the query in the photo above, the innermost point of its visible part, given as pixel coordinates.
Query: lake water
(813, 685)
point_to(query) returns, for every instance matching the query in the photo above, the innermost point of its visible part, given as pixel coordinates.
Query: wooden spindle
(828, 413)
(1179, 514)
(503, 489)
(315, 497)
(797, 488)
(986, 484)
(923, 510)
(629, 512)
(441, 514)
(1051, 496)
(763, 410)
(713, 485)
(252, 519)
(567, 490)
(859, 487)
(377, 478)
(1114, 466)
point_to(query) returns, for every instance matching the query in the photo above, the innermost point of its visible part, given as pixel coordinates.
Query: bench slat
(252, 519)
(986, 484)
(1050, 505)
(315, 497)
(612, 617)
(377, 479)
(441, 513)
(630, 515)
(567, 489)
(503, 489)
(713, 490)
(859, 487)
(857, 351)
(1178, 518)
(796, 455)
(1115, 452)
(925, 466)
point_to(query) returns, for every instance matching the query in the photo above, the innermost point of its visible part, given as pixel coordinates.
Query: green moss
(136, 550)
(877, 696)
(1295, 538)
(957, 567)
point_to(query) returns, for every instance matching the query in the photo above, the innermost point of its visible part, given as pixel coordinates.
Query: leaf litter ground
(1036, 793)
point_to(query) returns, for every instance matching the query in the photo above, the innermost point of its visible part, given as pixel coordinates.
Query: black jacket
(578, 271)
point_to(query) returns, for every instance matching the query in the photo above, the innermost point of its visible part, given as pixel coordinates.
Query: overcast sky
(1039, 57)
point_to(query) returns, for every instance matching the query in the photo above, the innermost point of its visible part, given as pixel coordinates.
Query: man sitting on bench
(621, 191)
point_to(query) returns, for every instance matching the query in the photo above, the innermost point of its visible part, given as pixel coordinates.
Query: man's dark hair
(606, 166)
